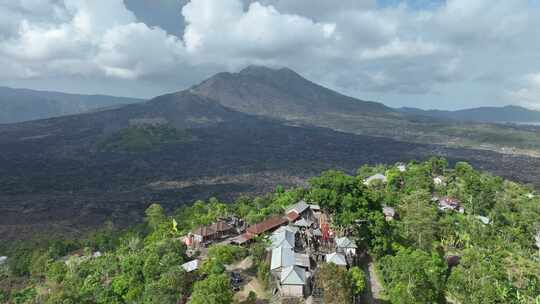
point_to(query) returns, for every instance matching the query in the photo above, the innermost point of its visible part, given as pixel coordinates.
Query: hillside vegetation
(498, 258)
(142, 138)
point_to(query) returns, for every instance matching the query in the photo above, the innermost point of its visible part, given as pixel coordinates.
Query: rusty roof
(292, 216)
(266, 225)
(220, 226)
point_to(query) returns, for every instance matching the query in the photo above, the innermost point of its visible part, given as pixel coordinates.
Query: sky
(434, 54)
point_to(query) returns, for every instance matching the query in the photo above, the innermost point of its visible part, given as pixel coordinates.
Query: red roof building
(292, 216)
(267, 225)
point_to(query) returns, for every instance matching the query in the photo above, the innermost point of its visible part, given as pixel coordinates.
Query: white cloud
(528, 94)
(398, 48)
(218, 30)
(156, 52)
(88, 38)
(355, 46)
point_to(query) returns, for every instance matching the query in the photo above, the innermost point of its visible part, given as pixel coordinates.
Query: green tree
(419, 219)
(226, 254)
(215, 289)
(414, 277)
(336, 283)
(358, 279)
(252, 298)
(481, 278)
(155, 216)
(263, 274)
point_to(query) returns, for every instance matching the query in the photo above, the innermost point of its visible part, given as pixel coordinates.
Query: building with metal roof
(283, 238)
(299, 207)
(191, 265)
(336, 258)
(346, 246)
(301, 260)
(267, 225)
(293, 281)
(378, 176)
(282, 257)
(303, 223)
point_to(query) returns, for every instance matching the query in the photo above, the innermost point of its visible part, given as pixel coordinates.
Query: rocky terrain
(54, 178)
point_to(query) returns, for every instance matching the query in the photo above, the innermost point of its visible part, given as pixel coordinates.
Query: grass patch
(143, 138)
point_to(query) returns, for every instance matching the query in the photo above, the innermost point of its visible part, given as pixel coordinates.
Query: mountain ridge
(503, 114)
(52, 171)
(276, 92)
(19, 104)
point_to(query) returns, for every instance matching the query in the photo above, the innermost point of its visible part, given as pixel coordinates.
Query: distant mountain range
(236, 133)
(18, 105)
(506, 114)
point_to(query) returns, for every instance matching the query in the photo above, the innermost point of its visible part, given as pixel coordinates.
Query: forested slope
(495, 257)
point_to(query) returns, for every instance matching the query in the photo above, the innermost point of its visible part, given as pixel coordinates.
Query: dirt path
(374, 291)
(255, 286)
(243, 265)
(374, 283)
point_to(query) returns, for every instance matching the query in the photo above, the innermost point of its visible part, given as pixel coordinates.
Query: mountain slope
(180, 110)
(285, 95)
(504, 114)
(55, 176)
(282, 93)
(18, 105)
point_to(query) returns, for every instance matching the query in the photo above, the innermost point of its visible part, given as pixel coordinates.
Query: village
(300, 241)
(404, 233)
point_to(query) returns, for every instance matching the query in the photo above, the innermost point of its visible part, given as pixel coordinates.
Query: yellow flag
(174, 225)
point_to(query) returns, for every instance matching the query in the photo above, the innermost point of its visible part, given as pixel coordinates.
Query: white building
(191, 265)
(283, 238)
(438, 180)
(303, 223)
(483, 219)
(336, 258)
(389, 213)
(346, 246)
(380, 177)
(281, 258)
(294, 281)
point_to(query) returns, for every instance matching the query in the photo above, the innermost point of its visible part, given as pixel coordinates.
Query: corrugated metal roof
(303, 223)
(336, 258)
(283, 238)
(293, 275)
(377, 176)
(288, 228)
(301, 260)
(266, 225)
(191, 265)
(292, 216)
(243, 238)
(282, 257)
(299, 207)
(314, 207)
(344, 242)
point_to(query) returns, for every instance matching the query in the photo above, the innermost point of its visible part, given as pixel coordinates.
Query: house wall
(292, 290)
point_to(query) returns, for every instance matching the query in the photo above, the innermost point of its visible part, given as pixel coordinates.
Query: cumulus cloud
(528, 94)
(87, 38)
(218, 30)
(356, 46)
